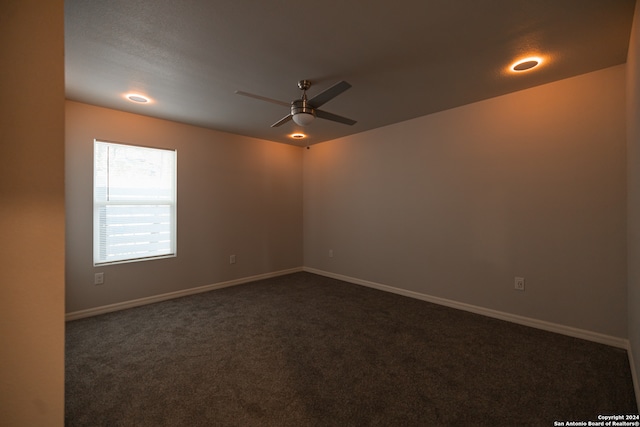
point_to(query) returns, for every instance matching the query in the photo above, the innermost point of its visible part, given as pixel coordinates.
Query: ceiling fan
(304, 110)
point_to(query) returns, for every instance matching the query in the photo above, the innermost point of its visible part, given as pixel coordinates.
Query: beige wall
(455, 204)
(32, 213)
(633, 162)
(236, 195)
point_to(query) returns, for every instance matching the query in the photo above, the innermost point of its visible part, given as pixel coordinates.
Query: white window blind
(134, 204)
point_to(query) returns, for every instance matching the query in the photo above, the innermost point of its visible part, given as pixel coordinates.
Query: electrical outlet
(98, 279)
(330, 253)
(519, 283)
(232, 259)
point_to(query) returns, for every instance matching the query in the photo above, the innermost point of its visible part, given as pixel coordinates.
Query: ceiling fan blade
(334, 117)
(282, 121)
(329, 94)
(263, 98)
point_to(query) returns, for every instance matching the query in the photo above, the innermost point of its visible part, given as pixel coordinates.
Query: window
(134, 203)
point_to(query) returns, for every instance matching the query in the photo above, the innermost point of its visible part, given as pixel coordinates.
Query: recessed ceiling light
(137, 98)
(526, 64)
(298, 135)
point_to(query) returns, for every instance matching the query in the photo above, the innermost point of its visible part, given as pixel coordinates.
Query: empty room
(346, 213)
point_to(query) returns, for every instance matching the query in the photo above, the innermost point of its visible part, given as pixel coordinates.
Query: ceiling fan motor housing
(302, 106)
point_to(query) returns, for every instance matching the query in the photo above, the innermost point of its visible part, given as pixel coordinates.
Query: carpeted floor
(305, 350)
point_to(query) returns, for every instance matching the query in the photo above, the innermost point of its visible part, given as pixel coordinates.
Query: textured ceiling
(404, 58)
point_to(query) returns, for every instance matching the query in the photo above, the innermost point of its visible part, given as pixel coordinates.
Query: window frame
(98, 204)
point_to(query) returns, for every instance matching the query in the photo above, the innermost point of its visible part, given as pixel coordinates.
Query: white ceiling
(403, 58)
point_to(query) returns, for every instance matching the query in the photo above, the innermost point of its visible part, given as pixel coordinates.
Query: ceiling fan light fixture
(303, 119)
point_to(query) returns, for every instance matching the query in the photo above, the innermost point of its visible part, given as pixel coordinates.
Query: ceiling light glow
(526, 64)
(298, 135)
(137, 98)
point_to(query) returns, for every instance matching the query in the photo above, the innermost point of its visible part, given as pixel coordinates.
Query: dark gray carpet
(305, 350)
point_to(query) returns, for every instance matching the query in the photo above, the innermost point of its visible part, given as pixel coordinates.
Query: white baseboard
(521, 320)
(177, 294)
(527, 321)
